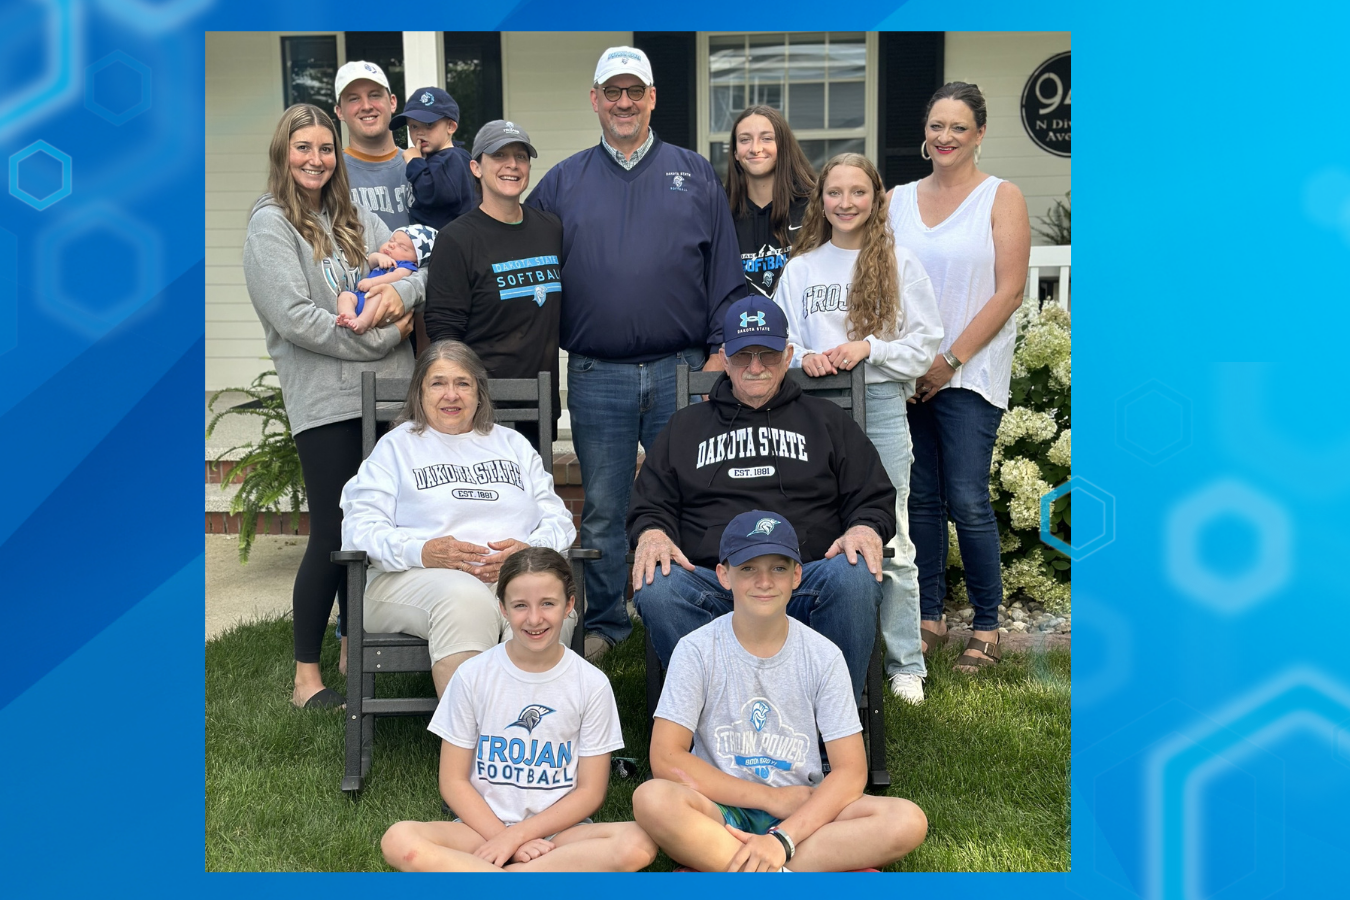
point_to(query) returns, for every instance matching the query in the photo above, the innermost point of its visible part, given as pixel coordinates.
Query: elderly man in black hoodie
(760, 443)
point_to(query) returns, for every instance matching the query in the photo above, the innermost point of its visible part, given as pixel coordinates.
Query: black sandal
(968, 658)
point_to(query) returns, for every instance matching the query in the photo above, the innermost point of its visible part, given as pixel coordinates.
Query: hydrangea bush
(1032, 454)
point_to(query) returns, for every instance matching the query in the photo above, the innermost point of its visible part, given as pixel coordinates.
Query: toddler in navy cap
(438, 170)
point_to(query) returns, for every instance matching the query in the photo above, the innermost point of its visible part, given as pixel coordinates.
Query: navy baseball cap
(758, 533)
(426, 105)
(754, 322)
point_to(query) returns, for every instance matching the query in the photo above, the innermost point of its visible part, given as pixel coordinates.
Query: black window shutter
(673, 56)
(911, 69)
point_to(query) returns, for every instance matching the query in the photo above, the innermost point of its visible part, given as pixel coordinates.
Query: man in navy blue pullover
(651, 264)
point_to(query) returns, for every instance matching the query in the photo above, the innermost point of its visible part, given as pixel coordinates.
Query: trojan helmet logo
(763, 526)
(757, 318)
(530, 716)
(759, 715)
(426, 98)
(540, 294)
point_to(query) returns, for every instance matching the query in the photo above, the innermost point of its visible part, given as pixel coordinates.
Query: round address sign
(1045, 105)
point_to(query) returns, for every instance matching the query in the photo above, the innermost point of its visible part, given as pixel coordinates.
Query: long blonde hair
(874, 296)
(335, 196)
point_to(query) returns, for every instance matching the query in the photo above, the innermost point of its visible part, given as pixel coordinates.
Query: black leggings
(329, 456)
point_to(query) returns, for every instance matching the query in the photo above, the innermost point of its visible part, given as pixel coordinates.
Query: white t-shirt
(758, 719)
(477, 487)
(527, 729)
(813, 293)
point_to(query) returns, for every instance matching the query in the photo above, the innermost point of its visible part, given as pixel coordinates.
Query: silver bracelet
(788, 847)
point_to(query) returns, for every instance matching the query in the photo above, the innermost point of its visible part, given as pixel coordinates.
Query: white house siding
(1000, 63)
(243, 104)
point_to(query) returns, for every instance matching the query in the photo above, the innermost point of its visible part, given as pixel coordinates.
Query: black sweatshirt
(761, 257)
(799, 456)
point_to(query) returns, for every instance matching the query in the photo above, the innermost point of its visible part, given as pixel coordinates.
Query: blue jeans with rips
(888, 429)
(613, 406)
(953, 436)
(836, 598)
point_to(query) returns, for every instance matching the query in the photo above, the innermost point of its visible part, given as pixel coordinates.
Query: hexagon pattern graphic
(1178, 771)
(1228, 593)
(16, 172)
(91, 101)
(1091, 497)
(139, 273)
(1153, 422)
(21, 100)
(154, 18)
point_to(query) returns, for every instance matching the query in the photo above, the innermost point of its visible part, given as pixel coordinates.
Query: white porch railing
(1049, 263)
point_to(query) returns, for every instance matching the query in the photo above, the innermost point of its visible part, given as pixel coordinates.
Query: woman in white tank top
(971, 232)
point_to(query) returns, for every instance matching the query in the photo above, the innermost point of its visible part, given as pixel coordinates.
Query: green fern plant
(272, 462)
(1057, 223)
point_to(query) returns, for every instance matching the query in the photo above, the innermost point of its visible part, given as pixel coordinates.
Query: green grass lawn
(986, 758)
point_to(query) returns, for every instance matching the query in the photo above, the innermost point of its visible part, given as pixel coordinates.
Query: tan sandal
(969, 660)
(932, 638)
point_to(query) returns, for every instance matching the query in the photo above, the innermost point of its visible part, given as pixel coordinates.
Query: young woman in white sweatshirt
(854, 297)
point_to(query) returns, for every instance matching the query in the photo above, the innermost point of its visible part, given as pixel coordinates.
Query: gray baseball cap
(497, 134)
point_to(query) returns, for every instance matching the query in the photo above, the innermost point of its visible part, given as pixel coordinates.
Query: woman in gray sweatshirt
(306, 241)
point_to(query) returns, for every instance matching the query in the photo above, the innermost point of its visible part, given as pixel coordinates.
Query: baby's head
(431, 116)
(536, 592)
(411, 243)
(761, 562)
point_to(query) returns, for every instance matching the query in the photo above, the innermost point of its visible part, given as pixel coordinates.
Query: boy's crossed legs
(450, 846)
(871, 832)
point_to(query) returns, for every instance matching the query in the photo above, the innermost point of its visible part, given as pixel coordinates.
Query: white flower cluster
(1060, 451)
(1044, 346)
(1061, 373)
(1020, 422)
(1022, 477)
(1028, 574)
(953, 547)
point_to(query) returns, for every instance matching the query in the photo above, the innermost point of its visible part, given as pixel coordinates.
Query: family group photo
(599, 484)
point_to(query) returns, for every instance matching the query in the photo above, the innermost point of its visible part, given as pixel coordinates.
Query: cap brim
(421, 115)
(767, 548)
(736, 345)
(494, 146)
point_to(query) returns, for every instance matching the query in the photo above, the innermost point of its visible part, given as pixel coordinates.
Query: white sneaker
(596, 648)
(908, 687)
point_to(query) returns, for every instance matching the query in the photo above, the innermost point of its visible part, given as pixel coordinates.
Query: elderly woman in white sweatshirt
(443, 499)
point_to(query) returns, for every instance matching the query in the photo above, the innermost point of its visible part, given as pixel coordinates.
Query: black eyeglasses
(635, 92)
(767, 358)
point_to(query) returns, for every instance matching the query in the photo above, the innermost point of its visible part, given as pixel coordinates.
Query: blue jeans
(953, 438)
(888, 427)
(835, 598)
(612, 407)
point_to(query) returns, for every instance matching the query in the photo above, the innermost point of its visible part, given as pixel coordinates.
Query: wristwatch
(951, 359)
(789, 848)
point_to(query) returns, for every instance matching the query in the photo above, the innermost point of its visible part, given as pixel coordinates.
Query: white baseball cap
(355, 71)
(623, 61)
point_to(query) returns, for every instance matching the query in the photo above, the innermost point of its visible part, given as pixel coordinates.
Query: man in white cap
(651, 264)
(375, 165)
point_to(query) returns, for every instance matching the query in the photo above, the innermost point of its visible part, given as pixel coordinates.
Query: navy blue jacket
(650, 257)
(442, 187)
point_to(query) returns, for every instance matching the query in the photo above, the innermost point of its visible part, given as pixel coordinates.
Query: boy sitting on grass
(527, 728)
(751, 690)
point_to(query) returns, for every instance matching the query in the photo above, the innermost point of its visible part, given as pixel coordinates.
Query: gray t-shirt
(758, 719)
(381, 187)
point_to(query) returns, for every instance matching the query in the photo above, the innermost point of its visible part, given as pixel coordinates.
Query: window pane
(726, 60)
(766, 95)
(806, 106)
(806, 57)
(846, 104)
(844, 145)
(725, 102)
(848, 57)
(384, 49)
(768, 59)
(815, 153)
(464, 82)
(718, 153)
(309, 65)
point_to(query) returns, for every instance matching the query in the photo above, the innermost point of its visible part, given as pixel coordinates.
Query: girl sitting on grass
(527, 728)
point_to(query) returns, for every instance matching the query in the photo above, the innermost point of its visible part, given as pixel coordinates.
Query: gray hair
(461, 355)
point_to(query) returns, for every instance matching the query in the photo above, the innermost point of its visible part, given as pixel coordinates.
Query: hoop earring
(923, 151)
